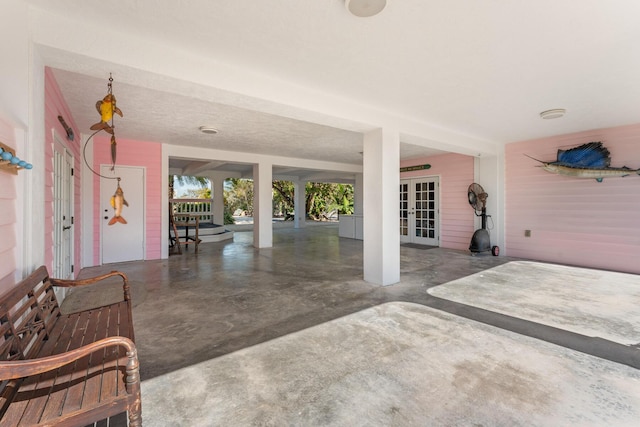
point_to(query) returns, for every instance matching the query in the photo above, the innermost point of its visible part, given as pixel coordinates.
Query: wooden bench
(65, 369)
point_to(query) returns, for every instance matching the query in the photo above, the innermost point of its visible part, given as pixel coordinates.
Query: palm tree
(186, 180)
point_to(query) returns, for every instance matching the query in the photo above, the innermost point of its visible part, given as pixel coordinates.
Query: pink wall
(55, 106)
(574, 221)
(456, 216)
(132, 153)
(8, 245)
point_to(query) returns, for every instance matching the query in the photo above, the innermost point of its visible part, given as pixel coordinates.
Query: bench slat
(68, 377)
(90, 388)
(51, 385)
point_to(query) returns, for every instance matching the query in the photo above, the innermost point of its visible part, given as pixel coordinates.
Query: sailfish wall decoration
(591, 160)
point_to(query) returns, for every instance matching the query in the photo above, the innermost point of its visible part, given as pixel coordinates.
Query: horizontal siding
(143, 154)
(55, 105)
(572, 220)
(456, 217)
(8, 200)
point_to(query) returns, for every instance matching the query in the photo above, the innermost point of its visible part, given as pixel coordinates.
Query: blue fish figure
(591, 160)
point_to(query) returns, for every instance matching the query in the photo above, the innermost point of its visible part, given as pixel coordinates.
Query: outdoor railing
(193, 207)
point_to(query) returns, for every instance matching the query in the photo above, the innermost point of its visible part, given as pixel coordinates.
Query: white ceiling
(480, 69)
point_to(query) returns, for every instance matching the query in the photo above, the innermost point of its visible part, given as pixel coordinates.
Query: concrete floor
(192, 308)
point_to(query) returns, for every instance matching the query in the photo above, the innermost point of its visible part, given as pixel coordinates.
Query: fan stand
(480, 241)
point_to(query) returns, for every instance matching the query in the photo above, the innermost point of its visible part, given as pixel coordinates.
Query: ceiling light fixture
(556, 113)
(208, 130)
(365, 8)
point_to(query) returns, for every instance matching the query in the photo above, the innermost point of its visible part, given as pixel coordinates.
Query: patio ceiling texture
(324, 94)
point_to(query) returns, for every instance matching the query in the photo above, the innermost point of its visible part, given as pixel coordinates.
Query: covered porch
(224, 336)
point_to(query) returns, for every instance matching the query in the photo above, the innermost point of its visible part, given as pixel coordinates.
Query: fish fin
(599, 179)
(117, 111)
(119, 219)
(102, 126)
(124, 201)
(113, 201)
(98, 105)
(589, 155)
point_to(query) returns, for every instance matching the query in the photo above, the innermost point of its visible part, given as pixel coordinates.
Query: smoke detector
(208, 130)
(553, 114)
(365, 8)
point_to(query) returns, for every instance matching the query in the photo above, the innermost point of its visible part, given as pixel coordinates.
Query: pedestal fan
(480, 241)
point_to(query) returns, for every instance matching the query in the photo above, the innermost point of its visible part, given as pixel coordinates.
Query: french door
(419, 211)
(62, 211)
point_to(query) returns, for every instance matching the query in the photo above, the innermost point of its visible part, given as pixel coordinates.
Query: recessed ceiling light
(556, 113)
(365, 8)
(208, 129)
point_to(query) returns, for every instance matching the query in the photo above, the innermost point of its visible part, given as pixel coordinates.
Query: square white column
(217, 194)
(299, 204)
(381, 173)
(358, 192)
(263, 205)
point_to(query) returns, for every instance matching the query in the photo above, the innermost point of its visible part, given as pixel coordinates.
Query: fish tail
(119, 219)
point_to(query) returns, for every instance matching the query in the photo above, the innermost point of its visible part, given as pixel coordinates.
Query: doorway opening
(420, 211)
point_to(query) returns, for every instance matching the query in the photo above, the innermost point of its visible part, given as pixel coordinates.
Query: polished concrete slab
(590, 302)
(398, 364)
(193, 308)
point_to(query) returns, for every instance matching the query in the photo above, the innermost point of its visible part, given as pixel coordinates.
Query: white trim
(86, 204)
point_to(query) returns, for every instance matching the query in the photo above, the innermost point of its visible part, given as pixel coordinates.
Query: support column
(263, 205)
(217, 194)
(489, 172)
(299, 204)
(381, 175)
(358, 194)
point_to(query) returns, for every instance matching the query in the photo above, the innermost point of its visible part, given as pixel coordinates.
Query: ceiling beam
(198, 167)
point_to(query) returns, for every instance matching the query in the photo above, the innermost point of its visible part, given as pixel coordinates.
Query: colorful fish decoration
(591, 160)
(117, 203)
(106, 108)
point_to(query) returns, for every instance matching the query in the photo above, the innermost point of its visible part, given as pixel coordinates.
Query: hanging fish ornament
(106, 108)
(117, 203)
(591, 160)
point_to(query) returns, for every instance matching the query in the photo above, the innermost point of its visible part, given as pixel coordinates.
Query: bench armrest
(83, 282)
(14, 369)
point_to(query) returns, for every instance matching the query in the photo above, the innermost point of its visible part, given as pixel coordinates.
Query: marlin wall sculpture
(590, 160)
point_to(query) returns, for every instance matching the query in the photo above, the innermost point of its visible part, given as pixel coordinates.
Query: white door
(122, 242)
(62, 211)
(419, 211)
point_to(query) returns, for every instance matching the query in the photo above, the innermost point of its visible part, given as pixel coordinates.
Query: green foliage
(228, 217)
(186, 180)
(322, 199)
(200, 193)
(238, 195)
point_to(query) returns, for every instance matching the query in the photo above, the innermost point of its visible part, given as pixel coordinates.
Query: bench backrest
(28, 312)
